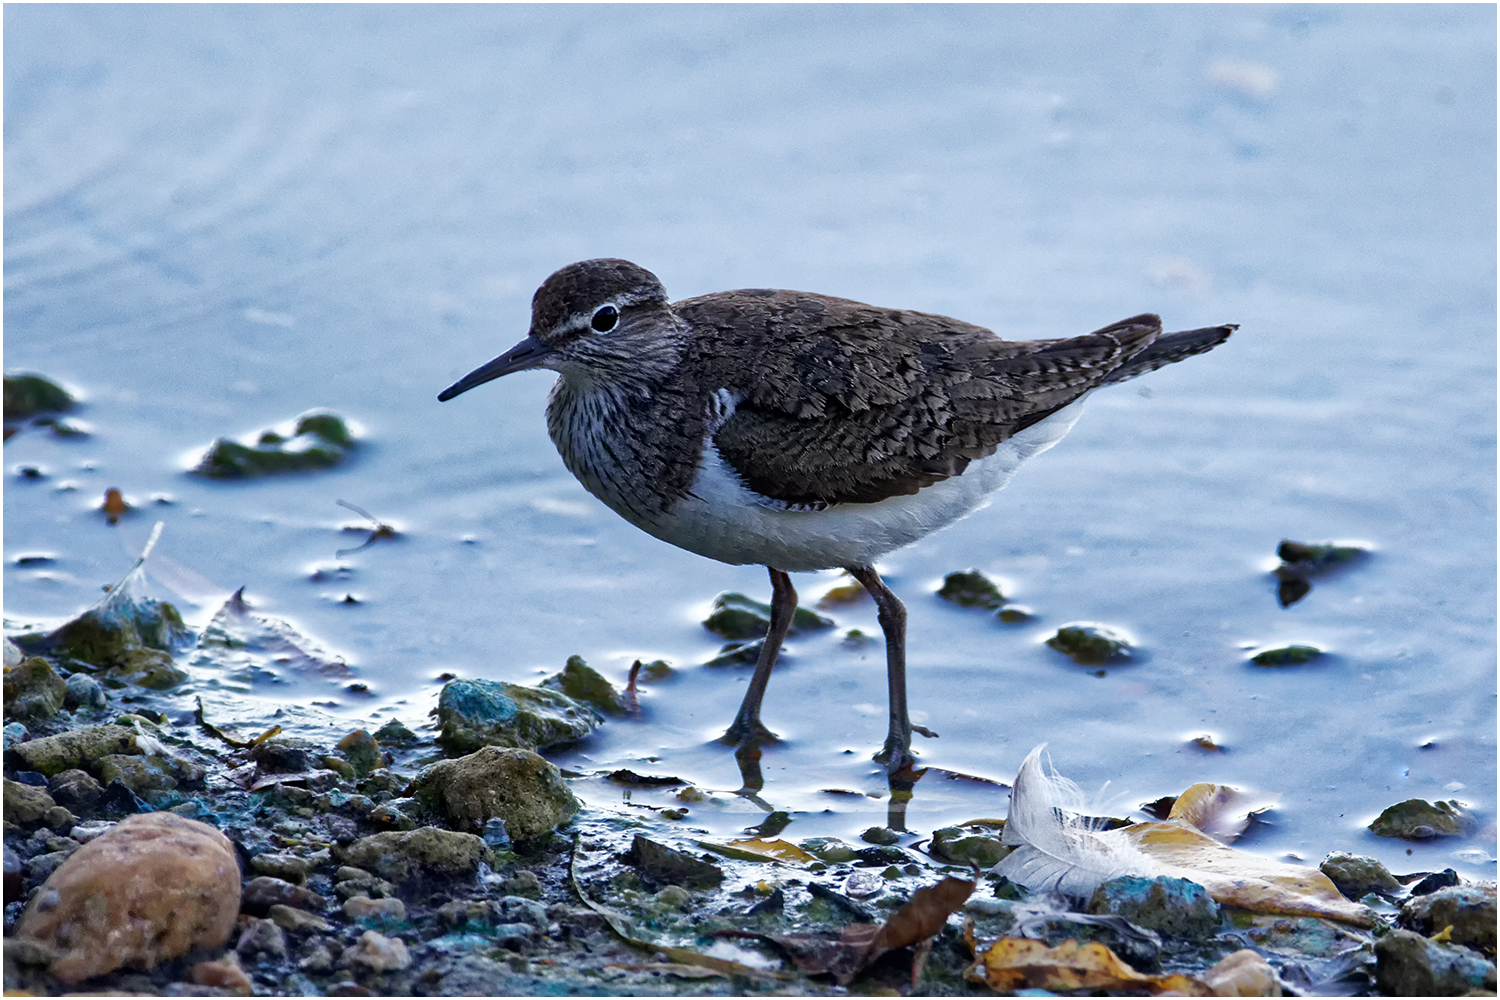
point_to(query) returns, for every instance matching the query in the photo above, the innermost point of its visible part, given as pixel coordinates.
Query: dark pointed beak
(529, 353)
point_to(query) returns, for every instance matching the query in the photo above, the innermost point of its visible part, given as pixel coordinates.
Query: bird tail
(1170, 347)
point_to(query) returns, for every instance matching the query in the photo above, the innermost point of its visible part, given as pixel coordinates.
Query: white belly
(725, 520)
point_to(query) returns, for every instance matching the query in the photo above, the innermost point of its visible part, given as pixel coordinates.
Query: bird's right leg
(747, 727)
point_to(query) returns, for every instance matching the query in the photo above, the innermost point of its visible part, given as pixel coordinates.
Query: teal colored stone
(1173, 907)
(481, 713)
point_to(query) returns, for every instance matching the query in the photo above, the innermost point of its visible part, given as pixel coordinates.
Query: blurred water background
(218, 217)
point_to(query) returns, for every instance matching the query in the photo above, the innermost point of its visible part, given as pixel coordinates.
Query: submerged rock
(33, 690)
(401, 855)
(1410, 965)
(27, 395)
(971, 590)
(1173, 907)
(479, 713)
(1467, 911)
(1091, 645)
(151, 888)
(1301, 562)
(1357, 876)
(319, 440)
(735, 616)
(584, 684)
(513, 785)
(1418, 819)
(977, 843)
(1286, 656)
(147, 668)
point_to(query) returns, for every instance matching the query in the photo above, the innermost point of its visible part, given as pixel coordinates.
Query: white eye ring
(605, 318)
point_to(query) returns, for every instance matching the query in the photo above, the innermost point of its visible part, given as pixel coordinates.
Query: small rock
(27, 395)
(880, 835)
(361, 750)
(394, 815)
(971, 590)
(1409, 965)
(977, 843)
(738, 653)
(831, 850)
(1242, 974)
(287, 867)
(320, 440)
(376, 952)
(480, 713)
(1417, 819)
(289, 918)
(76, 748)
(147, 668)
(1469, 910)
(399, 856)
(58, 818)
(85, 693)
(41, 867)
(518, 786)
(735, 616)
(225, 975)
(14, 733)
(263, 892)
(394, 734)
(664, 864)
(523, 883)
(75, 789)
(495, 834)
(586, 685)
(1173, 907)
(514, 909)
(1356, 876)
(139, 774)
(262, 937)
(673, 897)
(33, 690)
(1433, 882)
(284, 755)
(1091, 645)
(363, 909)
(25, 804)
(1286, 656)
(152, 888)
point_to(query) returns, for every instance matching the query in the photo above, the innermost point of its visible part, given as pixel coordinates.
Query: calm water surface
(217, 218)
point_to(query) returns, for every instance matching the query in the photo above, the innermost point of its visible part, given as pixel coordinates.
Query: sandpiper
(801, 431)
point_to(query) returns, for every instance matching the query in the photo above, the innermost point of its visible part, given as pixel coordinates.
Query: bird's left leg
(896, 754)
(747, 727)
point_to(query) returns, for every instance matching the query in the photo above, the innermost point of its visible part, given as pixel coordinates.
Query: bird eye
(605, 319)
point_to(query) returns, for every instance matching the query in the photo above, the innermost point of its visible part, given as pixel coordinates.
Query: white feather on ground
(1057, 849)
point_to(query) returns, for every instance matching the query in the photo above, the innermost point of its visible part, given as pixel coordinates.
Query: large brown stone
(153, 887)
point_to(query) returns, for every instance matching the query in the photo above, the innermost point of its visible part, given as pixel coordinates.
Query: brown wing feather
(848, 403)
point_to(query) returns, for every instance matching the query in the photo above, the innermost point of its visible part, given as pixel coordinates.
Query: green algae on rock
(27, 395)
(977, 843)
(1356, 876)
(514, 785)
(77, 748)
(583, 683)
(319, 440)
(362, 751)
(971, 590)
(735, 616)
(1286, 656)
(33, 690)
(1091, 645)
(1418, 819)
(480, 713)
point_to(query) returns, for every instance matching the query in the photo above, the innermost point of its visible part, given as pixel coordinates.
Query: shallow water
(217, 218)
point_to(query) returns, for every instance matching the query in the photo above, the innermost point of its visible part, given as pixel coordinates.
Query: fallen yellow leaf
(756, 849)
(1012, 964)
(1238, 878)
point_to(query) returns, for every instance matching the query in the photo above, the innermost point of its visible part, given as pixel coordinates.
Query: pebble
(287, 867)
(382, 911)
(76, 789)
(84, 692)
(377, 952)
(1409, 965)
(289, 918)
(1242, 974)
(75, 748)
(153, 887)
(262, 937)
(25, 804)
(264, 891)
(1173, 907)
(1469, 910)
(225, 975)
(518, 786)
(400, 855)
(478, 713)
(1356, 876)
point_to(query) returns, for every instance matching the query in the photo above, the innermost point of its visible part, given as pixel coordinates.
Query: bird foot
(896, 758)
(925, 732)
(749, 733)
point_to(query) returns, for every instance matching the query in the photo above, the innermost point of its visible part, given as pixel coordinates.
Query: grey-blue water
(217, 218)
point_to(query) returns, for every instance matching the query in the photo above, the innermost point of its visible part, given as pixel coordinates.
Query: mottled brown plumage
(802, 431)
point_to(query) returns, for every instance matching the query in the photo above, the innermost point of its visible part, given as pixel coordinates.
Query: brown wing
(848, 403)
